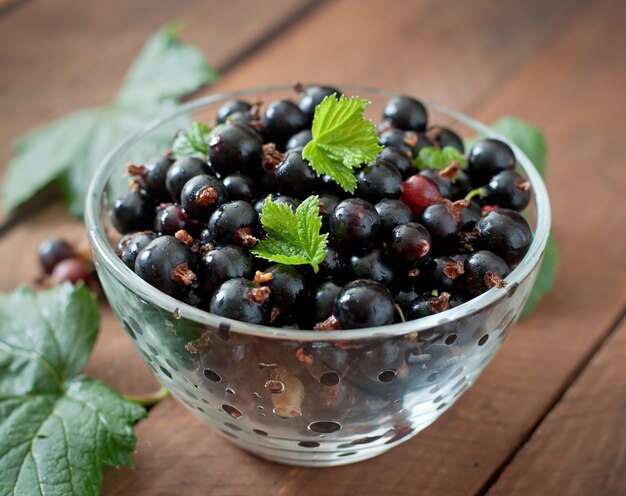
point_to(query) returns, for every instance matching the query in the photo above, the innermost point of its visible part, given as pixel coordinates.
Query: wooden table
(548, 416)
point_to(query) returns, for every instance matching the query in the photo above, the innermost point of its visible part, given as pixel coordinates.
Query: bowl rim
(104, 252)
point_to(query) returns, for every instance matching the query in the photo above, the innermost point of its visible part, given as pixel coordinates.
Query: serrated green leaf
(435, 158)
(528, 138)
(57, 429)
(292, 238)
(192, 142)
(545, 278)
(67, 151)
(343, 139)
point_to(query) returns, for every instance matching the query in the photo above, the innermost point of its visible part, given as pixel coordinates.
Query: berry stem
(149, 399)
(478, 192)
(271, 157)
(330, 324)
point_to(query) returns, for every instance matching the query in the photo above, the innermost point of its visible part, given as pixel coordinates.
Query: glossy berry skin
(506, 233)
(410, 245)
(292, 202)
(171, 218)
(354, 225)
(158, 262)
(299, 140)
(399, 159)
(443, 136)
(378, 180)
(397, 138)
(406, 113)
(444, 184)
(393, 213)
(240, 187)
(289, 288)
(374, 266)
(281, 120)
(425, 305)
(154, 177)
(131, 244)
(327, 204)
(223, 263)
(480, 268)
(235, 299)
(230, 107)
(182, 171)
(487, 158)
(333, 266)
(403, 299)
(236, 148)
(508, 189)
(201, 195)
(443, 225)
(312, 96)
(364, 303)
(294, 177)
(419, 192)
(234, 222)
(133, 212)
(323, 300)
(52, 251)
(445, 273)
(470, 215)
(72, 270)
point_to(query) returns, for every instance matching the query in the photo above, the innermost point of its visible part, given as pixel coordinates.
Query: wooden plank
(459, 453)
(49, 69)
(579, 447)
(59, 56)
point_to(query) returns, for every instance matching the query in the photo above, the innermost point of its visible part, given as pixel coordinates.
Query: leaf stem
(149, 399)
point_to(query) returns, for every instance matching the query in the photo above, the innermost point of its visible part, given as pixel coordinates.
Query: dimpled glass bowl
(313, 398)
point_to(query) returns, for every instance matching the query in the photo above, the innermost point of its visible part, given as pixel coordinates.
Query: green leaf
(57, 429)
(545, 278)
(439, 159)
(292, 238)
(343, 139)
(67, 151)
(194, 142)
(528, 138)
(165, 69)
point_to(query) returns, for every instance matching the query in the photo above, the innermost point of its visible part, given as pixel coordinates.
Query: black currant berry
(393, 213)
(167, 264)
(129, 246)
(240, 187)
(487, 158)
(443, 221)
(52, 251)
(153, 174)
(399, 159)
(223, 263)
(281, 120)
(444, 273)
(201, 195)
(236, 148)
(288, 286)
(293, 203)
(243, 300)
(182, 171)
(399, 139)
(294, 176)
(504, 232)
(230, 107)
(418, 192)
(443, 136)
(410, 245)
(172, 218)
(427, 304)
(373, 265)
(354, 225)
(299, 140)
(364, 303)
(323, 300)
(235, 222)
(508, 189)
(133, 212)
(378, 180)
(333, 266)
(470, 216)
(484, 270)
(406, 113)
(311, 96)
(327, 204)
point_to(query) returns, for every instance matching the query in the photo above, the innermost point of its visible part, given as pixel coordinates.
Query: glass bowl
(311, 398)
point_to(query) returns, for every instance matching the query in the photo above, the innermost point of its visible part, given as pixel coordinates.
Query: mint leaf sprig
(193, 142)
(343, 139)
(292, 238)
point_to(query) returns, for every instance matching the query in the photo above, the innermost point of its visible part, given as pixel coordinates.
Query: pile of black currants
(410, 242)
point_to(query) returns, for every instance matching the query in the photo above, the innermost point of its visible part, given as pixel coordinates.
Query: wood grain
(580, 447)
(462, 451)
